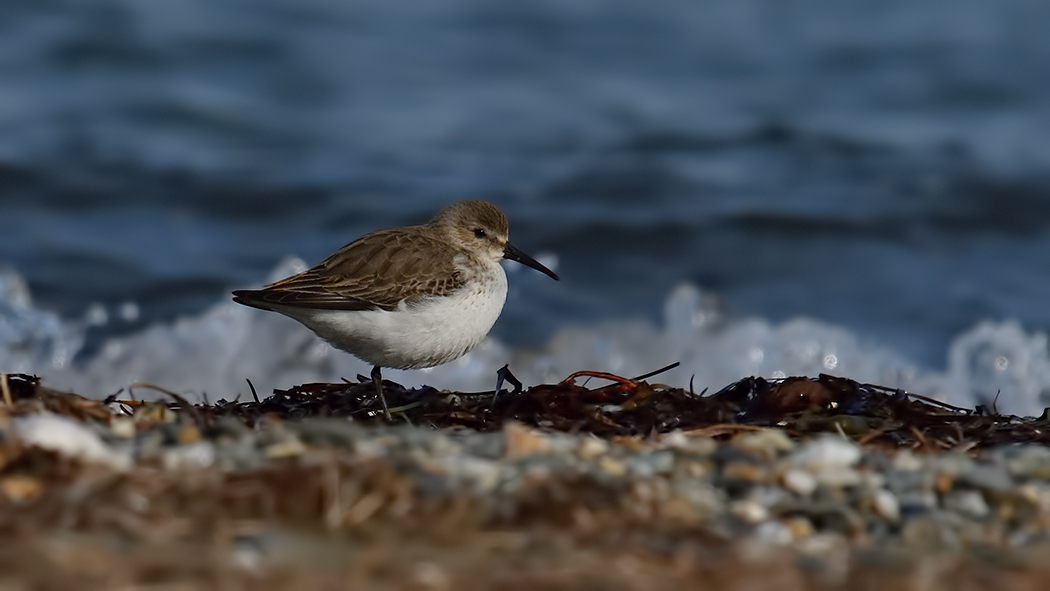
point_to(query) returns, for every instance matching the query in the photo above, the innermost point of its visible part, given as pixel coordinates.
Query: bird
(409, 297)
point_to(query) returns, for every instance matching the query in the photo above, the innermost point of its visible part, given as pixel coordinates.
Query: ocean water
(749, 187)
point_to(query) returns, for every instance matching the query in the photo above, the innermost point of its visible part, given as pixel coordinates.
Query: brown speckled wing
(376, 271)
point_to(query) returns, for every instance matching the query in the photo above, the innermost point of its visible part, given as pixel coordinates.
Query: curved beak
(509, 252)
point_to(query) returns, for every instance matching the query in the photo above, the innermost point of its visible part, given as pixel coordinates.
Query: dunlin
(405, 298)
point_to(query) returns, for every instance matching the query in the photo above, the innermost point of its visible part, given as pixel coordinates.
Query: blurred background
(762, 187)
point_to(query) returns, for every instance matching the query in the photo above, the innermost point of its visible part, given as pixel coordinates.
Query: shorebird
(405, 298)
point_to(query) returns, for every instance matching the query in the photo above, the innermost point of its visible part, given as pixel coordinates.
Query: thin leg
(377, 379)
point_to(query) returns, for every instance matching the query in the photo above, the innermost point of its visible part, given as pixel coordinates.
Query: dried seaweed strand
(645, 376)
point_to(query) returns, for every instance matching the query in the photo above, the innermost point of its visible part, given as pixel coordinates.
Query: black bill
(509, 252)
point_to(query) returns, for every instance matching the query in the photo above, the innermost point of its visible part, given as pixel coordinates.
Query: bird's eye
(479, 233)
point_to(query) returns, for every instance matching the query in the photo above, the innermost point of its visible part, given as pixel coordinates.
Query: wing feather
(377, 271)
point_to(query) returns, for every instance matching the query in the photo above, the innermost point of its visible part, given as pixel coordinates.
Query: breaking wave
(213, 353)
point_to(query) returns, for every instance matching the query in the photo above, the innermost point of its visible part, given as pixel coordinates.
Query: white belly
(426, 334)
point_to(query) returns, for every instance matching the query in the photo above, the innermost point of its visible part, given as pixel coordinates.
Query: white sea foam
(215, 351)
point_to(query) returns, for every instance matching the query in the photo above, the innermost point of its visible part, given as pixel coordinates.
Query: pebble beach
(117, 494)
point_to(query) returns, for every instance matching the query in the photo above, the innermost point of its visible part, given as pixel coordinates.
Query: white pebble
(194, 455)
(968, 502)
(749, 511)
(765, 443)
(123, 427)
(830, 460)
(886, 505)
(592, 447)
(800, 481)
(837, 477)
(69, 438)
(774, 533)
(906, 461)
(827, 452)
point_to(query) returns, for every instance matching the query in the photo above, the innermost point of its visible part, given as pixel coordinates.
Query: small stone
(968, 502)
(1006, 511)
(123, 427)
(192, 456)
(430, 576)
(943, 482)
(748, 511)
(592, 447)
(1029, 461)
(1035, 496)
(679, 510)
(886, 505)
(696, 469)
(189, 433)
(21, 488)
(631, 442)
(872, 480)
(837, 478)
(917, 501)
(651, 464)
(801, 527)
(799, 481)
(155, 412)
(675, 440)
(927, 536)
(485, 474)
(247, 553)
(662, 462)
(68, 438)
(828, 452)
(767, 443)
(703, 446)
(520, 441)
(612, 467)
(824, 544)
(906, 461)
(826, 557)
(774, 533)
(289, 447)
(987, 477)
(744, 471)
(829, 459)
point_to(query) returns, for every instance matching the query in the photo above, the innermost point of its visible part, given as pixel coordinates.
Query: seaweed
(801, 406)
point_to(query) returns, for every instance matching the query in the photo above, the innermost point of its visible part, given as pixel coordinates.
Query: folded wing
(375, 272)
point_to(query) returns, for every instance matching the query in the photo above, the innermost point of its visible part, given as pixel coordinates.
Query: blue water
(878, 166)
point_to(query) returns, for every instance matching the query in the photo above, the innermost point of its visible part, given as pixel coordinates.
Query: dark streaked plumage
(377, 271)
